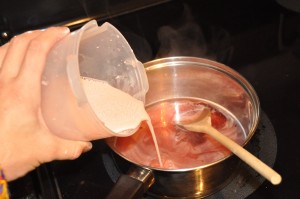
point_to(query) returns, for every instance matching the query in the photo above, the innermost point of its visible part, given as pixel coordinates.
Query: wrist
(4, 194)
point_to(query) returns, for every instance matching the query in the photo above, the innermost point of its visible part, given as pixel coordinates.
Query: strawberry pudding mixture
(179, 148)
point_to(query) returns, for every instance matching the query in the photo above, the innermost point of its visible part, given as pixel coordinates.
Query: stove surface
(94, 174)
(244, 180)
(276, 81)
(259, 39)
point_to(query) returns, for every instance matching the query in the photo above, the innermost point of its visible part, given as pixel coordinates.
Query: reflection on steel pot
(182, 78)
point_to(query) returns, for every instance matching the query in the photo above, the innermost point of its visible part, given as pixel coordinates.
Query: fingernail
(29, 32)
(64, 30)
(60, 31)
(88, 147)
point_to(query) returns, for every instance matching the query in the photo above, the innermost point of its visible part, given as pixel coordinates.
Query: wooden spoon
(202, 124)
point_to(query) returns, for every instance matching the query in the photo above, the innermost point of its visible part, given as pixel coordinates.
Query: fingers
(37, 52)
(25, 54)
(13, 53)
(3, 50)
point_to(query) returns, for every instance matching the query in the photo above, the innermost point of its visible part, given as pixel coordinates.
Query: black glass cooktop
(93, 175)
(259, 39)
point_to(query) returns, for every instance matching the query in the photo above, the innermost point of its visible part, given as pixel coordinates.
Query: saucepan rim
(233, 74)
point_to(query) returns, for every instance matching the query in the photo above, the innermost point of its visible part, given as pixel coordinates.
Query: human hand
(25, 141)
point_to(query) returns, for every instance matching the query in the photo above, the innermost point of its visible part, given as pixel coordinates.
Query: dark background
(258, 38)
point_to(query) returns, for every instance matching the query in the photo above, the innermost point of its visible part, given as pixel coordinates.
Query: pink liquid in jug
(179, 148)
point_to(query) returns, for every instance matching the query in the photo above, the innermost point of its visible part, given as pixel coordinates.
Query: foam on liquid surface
(119, 111)
(116, 109)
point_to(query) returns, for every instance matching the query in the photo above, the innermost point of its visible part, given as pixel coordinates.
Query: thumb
(72, 149)
(63, 149)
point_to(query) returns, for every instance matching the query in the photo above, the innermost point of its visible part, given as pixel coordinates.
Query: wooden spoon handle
(239, 151)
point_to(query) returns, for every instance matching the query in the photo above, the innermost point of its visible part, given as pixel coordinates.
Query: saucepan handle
(133, 185)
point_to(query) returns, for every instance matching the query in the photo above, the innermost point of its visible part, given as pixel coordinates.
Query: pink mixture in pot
(178, 148)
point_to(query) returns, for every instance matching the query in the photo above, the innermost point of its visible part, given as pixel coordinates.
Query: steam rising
(188, 39)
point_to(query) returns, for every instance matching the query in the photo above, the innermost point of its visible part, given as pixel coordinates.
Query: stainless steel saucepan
(181, 77)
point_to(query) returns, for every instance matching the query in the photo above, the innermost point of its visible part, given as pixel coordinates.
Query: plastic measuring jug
(98, 52)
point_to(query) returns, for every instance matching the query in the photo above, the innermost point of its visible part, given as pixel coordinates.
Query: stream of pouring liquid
(118, 111)
(155, 141)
